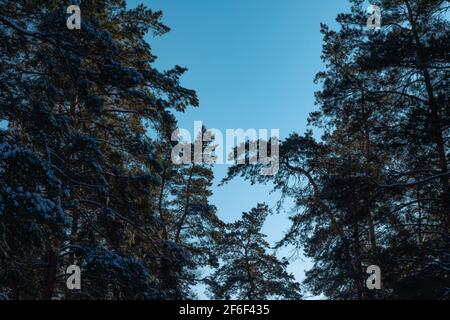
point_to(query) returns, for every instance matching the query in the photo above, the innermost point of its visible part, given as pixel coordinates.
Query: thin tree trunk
(160, 203)
(250, 293)
(186, 206)
(50, 274)
(368, 154)
(358, 274)
(434, 108)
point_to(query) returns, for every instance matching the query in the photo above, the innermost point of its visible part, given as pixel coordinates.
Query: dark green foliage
(80, 179)
(248, 271)
(375, 190)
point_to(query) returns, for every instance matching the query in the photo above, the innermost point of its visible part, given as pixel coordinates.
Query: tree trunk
(368, 154)
(186, 206)
(358, 272)
(160, 204)
(50, 274)
(434, 108)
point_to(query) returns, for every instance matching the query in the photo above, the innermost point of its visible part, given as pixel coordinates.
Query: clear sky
(252, 63)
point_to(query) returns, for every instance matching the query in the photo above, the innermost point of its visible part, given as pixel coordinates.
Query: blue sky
(252, 63)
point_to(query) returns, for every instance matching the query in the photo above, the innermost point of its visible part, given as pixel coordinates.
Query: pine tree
(77, 159)
(375, 189)
(248, 271)
(190, 220)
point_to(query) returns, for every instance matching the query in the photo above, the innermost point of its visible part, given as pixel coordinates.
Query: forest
(87, 178)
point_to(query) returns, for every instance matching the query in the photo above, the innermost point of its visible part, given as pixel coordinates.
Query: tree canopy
(87, 178)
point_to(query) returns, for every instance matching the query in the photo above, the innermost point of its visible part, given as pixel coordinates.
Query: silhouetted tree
(79, 174)
(248, 271)
(375, 189)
